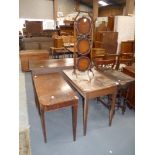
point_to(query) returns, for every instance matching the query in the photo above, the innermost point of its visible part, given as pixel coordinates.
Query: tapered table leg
(74, 120)
(85, 115)
(112, 110)
(42, 116)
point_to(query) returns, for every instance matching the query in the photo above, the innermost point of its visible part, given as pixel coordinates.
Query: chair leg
(43, 124)
(74, 120)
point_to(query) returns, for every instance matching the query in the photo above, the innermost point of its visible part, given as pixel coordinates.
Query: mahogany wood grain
(52, 93)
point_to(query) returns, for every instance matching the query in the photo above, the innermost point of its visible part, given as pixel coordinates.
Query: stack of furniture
(66, 30)
(37, 43)
(127, 53)
(107, 40)
(34, 28)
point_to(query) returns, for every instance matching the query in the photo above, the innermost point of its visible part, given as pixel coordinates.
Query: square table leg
(74, 120)
(85, 115)
(42, 117)
(112, 110)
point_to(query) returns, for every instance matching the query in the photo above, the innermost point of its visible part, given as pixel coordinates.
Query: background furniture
(34, 28)
(51, 93)
(106, 61)
(36, 43)
(123, 82)
(27, 55)
(66, 29)
(128, 46)
(106, 40)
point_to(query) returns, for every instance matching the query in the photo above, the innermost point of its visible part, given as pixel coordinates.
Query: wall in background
(36, 9)
(125, 26)
(110, 11)
(43, 9)
(68, 6)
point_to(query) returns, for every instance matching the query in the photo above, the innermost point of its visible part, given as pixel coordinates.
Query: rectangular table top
(100, 80)
(50, 65)
(89, 83)
(53, 91)
(118, 76)
(33, 52)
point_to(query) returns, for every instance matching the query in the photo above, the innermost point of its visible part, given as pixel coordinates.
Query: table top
(51, 63)
(25, 52)
(118, 76)
(100, 80)
(52, 90)
(88, 83)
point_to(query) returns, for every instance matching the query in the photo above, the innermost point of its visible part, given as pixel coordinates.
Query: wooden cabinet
(107, 40)
(128, 46)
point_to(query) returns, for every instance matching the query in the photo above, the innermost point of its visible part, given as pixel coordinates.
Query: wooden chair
(125, 59)
(58, 49)
(103, 60)
(110, 61)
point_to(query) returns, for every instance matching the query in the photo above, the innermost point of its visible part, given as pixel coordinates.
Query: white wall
(43, 9)
(36, 9)
(125, 26)
(68, 6)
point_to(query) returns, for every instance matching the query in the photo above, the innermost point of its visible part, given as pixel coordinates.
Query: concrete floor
(119, 139)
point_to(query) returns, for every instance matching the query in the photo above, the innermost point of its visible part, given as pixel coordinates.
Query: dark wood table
(102, 83)
(130, 70)
(52, 92)
(92, 87)
(51, 65)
